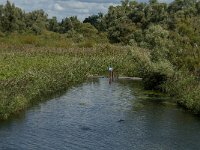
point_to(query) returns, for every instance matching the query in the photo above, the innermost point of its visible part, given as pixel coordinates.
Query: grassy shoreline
(29, 74)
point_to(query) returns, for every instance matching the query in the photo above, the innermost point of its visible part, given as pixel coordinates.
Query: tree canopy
(170, 31)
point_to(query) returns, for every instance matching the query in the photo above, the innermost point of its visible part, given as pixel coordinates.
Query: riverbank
(30, 74)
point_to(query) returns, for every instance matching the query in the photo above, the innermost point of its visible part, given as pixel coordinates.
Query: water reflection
(96, 115)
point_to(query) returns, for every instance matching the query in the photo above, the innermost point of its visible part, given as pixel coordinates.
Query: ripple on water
(96, 115)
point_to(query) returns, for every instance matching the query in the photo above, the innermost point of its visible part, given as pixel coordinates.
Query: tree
(53, 24)
(87, 30)
(97, 21)
(153, 2)
(8, 18)
(67, 24)
(137, 15)
(122, 31)
(36, 21)
(158, 42)
(156, 12)
(198, 7)
(1, 16)
(178, 5)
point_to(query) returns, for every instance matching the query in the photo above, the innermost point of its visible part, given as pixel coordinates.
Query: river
(99, 116)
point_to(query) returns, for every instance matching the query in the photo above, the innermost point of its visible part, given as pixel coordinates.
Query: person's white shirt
(110, 69)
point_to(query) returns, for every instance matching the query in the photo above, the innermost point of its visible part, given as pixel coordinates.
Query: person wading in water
(111, 76)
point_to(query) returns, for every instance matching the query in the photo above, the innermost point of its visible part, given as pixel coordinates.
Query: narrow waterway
(99, 116)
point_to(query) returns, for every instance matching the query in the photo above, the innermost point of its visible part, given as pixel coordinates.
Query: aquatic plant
(30, 73)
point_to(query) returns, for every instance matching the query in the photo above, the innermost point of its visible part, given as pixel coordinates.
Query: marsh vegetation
(156, 41)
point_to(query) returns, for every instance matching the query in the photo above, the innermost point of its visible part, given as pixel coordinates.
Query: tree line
(169, 31)
(14, 19)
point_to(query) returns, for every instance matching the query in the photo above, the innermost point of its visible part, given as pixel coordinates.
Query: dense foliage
(169, 31)
(170, 35)
(30, 74)
(162, 45)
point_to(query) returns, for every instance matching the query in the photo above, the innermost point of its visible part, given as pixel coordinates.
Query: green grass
(30, 73)
(34, 68)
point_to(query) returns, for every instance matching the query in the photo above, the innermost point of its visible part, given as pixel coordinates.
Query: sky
(67, 8)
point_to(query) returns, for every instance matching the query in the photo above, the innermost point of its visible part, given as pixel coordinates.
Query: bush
(186, 88)
(2, 34)
(28, 39)
(154, 74)
(87, 44)
(157, 74)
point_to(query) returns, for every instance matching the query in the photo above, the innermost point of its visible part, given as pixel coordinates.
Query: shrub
(28, 39)
(87, 44)
(154, 74)
(186, 88)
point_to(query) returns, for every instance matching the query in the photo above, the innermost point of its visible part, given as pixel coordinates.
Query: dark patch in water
(121, 120)
(84, 128)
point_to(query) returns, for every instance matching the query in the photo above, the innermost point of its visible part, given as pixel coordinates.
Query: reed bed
(30, 74)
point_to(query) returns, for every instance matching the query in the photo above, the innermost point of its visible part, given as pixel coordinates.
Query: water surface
(99, 116)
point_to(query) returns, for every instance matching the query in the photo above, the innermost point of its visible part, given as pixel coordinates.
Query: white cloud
(67, 8)
(57, 7)
(74, 4)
